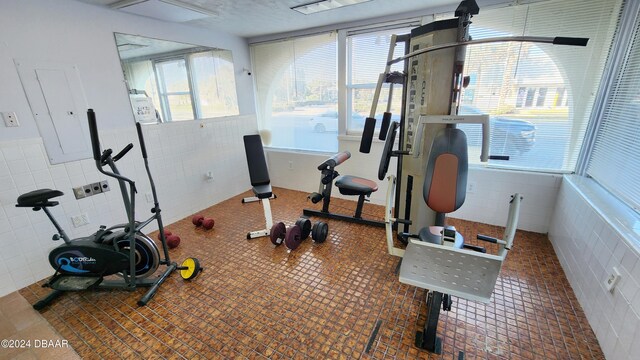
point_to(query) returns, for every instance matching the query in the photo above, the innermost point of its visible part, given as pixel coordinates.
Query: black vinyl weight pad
(388, 150)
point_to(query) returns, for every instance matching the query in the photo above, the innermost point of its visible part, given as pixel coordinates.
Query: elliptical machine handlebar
(143, 148)
(93, 132)
(95, 145)
(123, 152)
(105, 155)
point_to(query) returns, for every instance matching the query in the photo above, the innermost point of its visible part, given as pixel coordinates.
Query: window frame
(186, 57)
(616, 64)
(345, 88)
(344, 83)
(292, 63)
(163, 94)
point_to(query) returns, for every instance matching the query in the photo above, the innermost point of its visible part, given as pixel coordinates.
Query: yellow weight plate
(191, 268)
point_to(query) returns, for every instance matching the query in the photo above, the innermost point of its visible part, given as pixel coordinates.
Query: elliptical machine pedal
(64, 282)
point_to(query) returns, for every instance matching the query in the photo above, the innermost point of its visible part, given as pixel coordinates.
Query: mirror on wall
(170, 81)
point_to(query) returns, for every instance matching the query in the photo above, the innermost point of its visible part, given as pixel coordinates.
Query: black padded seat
(353, 185)
(258, 171)
(39, 198)
(262, 191)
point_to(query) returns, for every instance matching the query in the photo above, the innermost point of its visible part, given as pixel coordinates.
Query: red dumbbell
(208, 223)
(197, 220)
(173, 241)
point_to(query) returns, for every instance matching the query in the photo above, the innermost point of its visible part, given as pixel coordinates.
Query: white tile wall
(179, 156)
(487, 204)
(591, 233)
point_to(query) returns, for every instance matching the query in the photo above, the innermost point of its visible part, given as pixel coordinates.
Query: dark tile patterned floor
(321, 301)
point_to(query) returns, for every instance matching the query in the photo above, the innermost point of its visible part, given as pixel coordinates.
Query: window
(614, 159)
(519, 100)
(530, 94)
(175, 92)
(214, 84)
(186, 86)
(515, 81)
(539, 96)
(559, 97)
(297, 93)
(366, 59)
(542, 93)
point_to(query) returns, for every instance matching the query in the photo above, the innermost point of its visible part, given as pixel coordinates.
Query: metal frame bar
(536, 39)
(266, 206)
(250, 199)
(329, 215)
(428, 339)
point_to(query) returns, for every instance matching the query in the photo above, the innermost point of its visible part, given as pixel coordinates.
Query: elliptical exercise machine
(121, 250)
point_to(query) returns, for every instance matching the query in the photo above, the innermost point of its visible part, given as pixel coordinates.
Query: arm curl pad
(335, 160)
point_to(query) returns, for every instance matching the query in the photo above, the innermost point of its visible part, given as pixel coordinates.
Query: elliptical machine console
(121, 250)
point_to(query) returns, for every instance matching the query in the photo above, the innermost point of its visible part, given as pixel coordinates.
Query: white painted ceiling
(251, 18)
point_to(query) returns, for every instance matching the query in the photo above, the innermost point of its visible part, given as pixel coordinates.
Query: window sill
(621, 217)
(358, 138)
(299, 151)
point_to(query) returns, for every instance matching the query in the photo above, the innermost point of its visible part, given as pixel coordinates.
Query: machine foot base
(420, 342)
(309, 212)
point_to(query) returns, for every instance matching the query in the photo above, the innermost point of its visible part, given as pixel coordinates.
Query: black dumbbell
(320, 231)
(305, 227)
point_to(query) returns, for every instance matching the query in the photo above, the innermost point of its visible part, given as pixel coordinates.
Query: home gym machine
(437, 257)
(432, 82)
(121, 250)
(432, 168)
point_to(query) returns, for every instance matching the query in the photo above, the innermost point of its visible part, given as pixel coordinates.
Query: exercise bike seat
(353, 185)
(39, 198)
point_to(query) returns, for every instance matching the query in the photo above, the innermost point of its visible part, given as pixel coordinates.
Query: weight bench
(260, 182)
(347, 185)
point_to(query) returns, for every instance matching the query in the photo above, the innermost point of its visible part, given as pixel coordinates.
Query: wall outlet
(209, 176)
(471, 187)
(104, 185)
(91, 189)
(80, 220)
(96, 188)
(10, 119)
(88, 190)
(79, 192)
(290, 165)
(613, 279)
